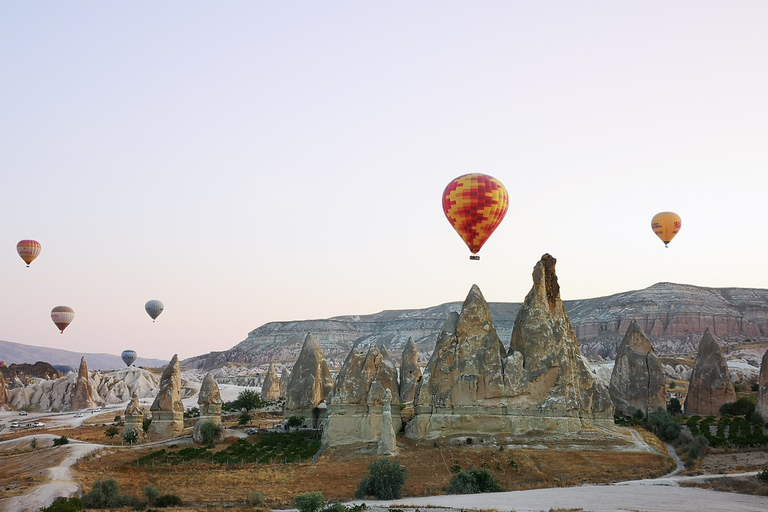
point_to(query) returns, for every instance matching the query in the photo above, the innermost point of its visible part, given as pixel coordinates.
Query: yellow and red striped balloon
(28, 250)
(475, 205)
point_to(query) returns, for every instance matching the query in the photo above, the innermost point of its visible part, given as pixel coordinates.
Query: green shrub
(151, 493)
(473, 481)
(244, 419)
(62, 504)
(33, 443)
(763, 475)
(103, 494)
(60, 441)
(130, 436)
(741, 407)
(309, 502)
(167, 500)
(256, 498)
(384, 481)
(664, 425)
(674, 407)
(111, 431)
(295, 422)
(209, 430)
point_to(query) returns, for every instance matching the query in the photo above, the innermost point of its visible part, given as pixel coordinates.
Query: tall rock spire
(167, 409)
(710, 386)
(762, 392)
(83, 394)
(311, 381)
(270, 389)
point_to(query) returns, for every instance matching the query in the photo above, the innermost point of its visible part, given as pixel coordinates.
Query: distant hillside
(17, 353)
(674, 316)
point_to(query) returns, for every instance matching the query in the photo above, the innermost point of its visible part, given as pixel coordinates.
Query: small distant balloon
(129, 356)
(62, 316)
(2, 364)
(666, 225)
(475, 205)
(154, 308)
(28, 250)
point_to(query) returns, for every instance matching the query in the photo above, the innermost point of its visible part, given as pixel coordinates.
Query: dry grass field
(338, 471)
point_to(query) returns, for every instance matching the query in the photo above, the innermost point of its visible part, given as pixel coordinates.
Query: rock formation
(167, 409)
(134, 419)
(3, 393)
(209, 402)
(638, 381)
(471, 386)
(285, 378)
(310, 384)
(387, 444)
(410, 375)
(83, 396)
(710, 385)
(762, 392)
(358, 403)
(270, 389)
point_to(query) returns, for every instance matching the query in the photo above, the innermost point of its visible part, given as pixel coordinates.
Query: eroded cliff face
(710, 385)
(638, 381)
(471, 385)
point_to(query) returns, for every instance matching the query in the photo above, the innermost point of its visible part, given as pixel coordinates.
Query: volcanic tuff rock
(209, 402)
(710, 386)
(410, 375)
(270, 390)
(83, 395)
(27, 373)
(674, 316)
(762, 393)
(3, 393)
(356, 406)
(134, 419)
(638, 381)
(285, 378)
(310, 383)
(167, 409)
(471, 386)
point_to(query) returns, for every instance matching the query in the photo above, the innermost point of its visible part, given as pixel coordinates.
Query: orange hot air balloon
(28, 250)
(475, 205)
(62, 316)
(666, 225)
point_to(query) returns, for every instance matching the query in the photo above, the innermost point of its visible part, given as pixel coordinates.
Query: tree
(111, 431)
(130, 436)
(384, 481)
(247, 399)
(309, 502)
(209, 430)
(674, 407)
(244, 419)
(103, 494)
(295, 422)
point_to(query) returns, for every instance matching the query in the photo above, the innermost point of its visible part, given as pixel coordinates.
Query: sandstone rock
(366, 390)
(410, 375)
(209, 402)
(134, 419)
(638, 380)
(3, 393)
(387, 444)
(285, 378)
(762, 393)
(710, 386)
(167, 409)
(270, 389)
(310, 383)
(83, 396)
(471, 386)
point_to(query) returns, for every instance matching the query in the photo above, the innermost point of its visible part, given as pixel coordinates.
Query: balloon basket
(474, 257)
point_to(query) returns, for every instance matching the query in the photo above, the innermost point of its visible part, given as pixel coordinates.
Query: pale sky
(248, 162)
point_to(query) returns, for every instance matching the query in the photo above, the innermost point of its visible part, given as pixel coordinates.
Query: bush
(60, 441)
(295, 422)
(62, 504)
(674, 407)
(664, 425)
(763, 476)
(256, 498)
(309, 502)
(474, 481)
(33, 443)
(694, 448)
(103, 494)
(384, 481)
(244, 419)
(167, 500)
(209, 430)
(111, 431)
(151, 493)
(130, 436)
(744, 406)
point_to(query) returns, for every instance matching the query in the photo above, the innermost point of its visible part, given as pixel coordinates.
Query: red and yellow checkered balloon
(475, 205)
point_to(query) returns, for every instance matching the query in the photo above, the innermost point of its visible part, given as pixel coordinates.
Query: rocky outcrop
(134, 420)
(167, 409)
(3, 393)
(542, 383)
(270, 390)
(387, 443)
(209, 403)
(310, 384)
(83, 396)
(410, 375)
(285, 378)
(356, 407)
(710, 385)
(762, 393)
(638, 381)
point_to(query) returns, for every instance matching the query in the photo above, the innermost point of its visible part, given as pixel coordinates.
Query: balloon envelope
(28, 250)
(129, 356)
(62, 316)
(154, 308)
(666, 225)
(475, 205)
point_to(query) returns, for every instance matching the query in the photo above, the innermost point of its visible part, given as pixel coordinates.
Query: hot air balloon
(666, 225)
(28, 250)
(129, 356)
(62, 316)
(154, 308)
(475, 205)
